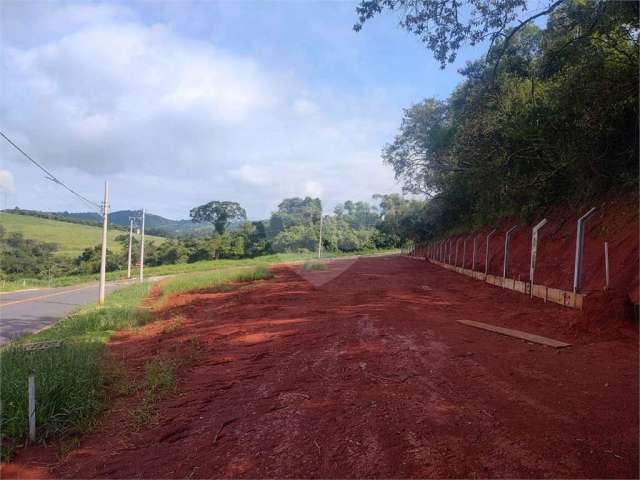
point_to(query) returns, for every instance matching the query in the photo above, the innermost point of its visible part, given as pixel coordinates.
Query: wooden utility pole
(103, 259)
(320, 237)
(142, 250)
(130, 242)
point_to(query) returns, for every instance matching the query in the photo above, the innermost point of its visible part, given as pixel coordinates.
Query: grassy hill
(71, 238)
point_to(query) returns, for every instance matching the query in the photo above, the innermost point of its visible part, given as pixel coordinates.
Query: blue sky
(180, 103)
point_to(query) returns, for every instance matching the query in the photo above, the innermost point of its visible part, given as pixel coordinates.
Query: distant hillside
(154, 224)
(71, 238)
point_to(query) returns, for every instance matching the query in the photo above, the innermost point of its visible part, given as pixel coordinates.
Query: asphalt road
(32, 310)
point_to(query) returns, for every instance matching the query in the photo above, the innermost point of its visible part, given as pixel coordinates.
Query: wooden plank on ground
(529, 337)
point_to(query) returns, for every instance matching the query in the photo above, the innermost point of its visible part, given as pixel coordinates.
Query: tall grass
(68, 376)
(212, 280)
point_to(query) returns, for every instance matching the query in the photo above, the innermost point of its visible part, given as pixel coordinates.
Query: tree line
(548, 115)
(293, 227)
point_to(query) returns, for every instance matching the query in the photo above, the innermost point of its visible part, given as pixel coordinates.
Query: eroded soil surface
(362, 370)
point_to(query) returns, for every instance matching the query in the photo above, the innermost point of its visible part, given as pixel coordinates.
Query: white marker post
(507, 237)
(534, 250)
(32, 408)
(577, 271)
(486, 253)
(455, 261)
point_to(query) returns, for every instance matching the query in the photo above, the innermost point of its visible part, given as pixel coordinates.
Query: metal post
(130, 242)
(450, 252)
(486, 255)
(142, 249)
(455, 261)
(577, 271)
(464, 251)
(507, 237)
(606, 265)
(534, 250)
(103, 257)
(473, 259)
(32, 407)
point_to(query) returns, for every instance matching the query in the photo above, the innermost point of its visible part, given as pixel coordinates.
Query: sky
(180, 103)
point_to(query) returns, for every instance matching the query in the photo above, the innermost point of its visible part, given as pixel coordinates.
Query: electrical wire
(52, 177)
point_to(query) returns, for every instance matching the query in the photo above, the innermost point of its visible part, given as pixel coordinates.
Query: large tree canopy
(218, 213)
(445, 25)
(557, 120)
(295, 211)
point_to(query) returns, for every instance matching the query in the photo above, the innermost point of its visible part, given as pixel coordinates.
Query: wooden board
(529, 337)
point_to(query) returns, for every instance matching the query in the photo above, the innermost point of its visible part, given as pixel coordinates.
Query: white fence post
(32, 408)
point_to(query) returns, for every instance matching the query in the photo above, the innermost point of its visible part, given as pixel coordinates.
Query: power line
(51, 176)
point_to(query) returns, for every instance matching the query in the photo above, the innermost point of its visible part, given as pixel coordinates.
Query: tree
(445, 25)
(555, 121)
(294, 211)
(218, 213)
(359, 215)
(420, 153)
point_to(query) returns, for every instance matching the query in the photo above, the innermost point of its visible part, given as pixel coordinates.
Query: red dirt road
(370, 375)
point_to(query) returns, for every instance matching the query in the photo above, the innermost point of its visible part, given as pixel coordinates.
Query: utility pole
(130, 242)
(142, 250)
(103, 260)
(320, 237)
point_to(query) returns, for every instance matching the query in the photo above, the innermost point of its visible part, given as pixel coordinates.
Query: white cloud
(109, 95)
(252, 175)
(7, 183)
(313, 189)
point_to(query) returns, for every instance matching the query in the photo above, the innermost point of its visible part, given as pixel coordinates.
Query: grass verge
(211, 280)
(314, 265)
(69, 377)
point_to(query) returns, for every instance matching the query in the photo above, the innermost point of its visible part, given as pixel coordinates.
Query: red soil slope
(615, 221)
(366, 373)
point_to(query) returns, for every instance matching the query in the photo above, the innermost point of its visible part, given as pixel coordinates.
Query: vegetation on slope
(548, 117)
(70, 239)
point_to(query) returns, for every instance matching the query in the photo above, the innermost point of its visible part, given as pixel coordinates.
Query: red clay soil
(371, 375)
(615, 221)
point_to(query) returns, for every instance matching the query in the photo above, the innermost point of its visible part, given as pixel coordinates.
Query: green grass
(205, 265)
(314, 265)
(68, 377)
(212, 280)
(160, 378)
(71, 238)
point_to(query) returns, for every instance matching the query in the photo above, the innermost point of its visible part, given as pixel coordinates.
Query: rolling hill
(71, 238)
(154, 223)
